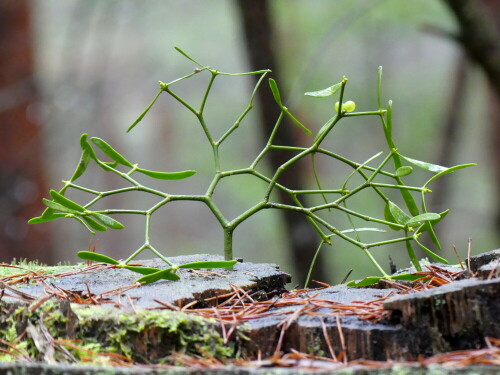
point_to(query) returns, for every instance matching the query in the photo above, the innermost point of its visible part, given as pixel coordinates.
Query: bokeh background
(69, 67)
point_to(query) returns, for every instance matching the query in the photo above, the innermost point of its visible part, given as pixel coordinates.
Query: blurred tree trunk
(21, 168)
(258, 34)
(479, 35)
(451, 125)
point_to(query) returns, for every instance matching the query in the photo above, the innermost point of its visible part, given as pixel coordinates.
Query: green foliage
(367, 281)
(96, 257)
(410, 220)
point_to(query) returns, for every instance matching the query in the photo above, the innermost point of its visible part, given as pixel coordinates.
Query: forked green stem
(393, 217)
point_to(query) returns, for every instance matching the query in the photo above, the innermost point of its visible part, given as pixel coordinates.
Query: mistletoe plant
(411, 221)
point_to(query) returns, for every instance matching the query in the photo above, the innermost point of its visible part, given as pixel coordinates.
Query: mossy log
(58, 331)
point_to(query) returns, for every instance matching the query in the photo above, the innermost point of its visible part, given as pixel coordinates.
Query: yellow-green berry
(337, 106)
(349, 106)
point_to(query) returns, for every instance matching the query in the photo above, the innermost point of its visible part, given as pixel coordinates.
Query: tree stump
(246, 314)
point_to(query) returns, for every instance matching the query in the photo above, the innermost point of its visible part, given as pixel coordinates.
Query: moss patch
(99, 335)
(23, 267)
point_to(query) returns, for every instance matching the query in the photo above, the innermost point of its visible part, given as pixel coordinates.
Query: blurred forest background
(69, 67)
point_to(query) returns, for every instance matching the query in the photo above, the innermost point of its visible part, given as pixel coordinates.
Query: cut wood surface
(104, 284)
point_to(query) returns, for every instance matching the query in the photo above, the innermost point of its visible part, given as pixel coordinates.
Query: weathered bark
(306, 334)
(455, 316)
(258, 34)
(21, 158)
(425, 323)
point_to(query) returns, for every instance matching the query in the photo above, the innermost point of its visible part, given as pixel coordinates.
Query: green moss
(439, 302)
(314, 343)
(151, 333)
(28, 267)
(9, 334)
(315, 347)
(94, 331)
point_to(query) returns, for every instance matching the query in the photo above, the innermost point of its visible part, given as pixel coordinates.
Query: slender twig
(469, 251)
(458, 257)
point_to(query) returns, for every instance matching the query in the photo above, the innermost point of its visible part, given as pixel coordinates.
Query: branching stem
(394, 217)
